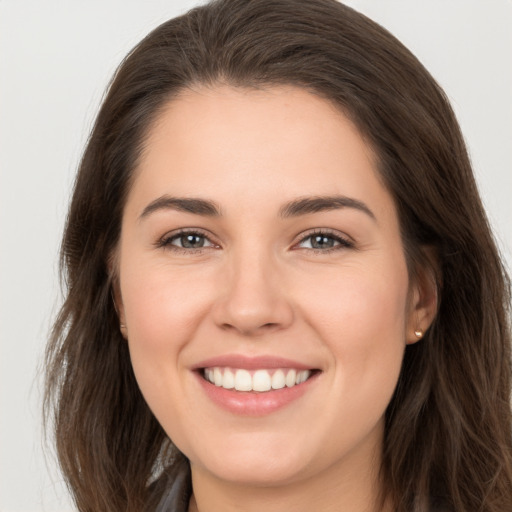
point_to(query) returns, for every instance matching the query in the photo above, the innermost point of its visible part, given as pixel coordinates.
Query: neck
(351, 484)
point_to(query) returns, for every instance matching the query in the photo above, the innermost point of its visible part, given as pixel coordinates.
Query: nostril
(251, 313)
(254, 330)
(250, 329)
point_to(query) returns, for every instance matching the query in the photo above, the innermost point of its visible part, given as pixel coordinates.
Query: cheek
(163, 310)
(162, 306)
(361, 317)
(368, 343)
(355, 302)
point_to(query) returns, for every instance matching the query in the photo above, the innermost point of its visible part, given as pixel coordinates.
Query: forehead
(246, 143)
(290, 112)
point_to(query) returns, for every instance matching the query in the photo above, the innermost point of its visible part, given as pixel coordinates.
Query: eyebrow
(203, 207)
(307, 205)
(295, 208)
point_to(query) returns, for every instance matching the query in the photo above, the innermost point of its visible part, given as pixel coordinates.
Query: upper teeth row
(260, 380)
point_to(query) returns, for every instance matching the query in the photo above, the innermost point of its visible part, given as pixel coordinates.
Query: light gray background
(55, 60)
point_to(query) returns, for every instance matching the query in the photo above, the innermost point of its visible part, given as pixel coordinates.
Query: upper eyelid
(324, 231)
(297, 239)
(181, 231)
(184, 231)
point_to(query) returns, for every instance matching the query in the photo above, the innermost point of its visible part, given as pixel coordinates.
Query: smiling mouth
(256, 380)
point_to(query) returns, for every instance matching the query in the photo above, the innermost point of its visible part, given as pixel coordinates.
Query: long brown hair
(448, 427)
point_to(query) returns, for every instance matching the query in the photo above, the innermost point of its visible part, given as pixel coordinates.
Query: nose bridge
(254, 299)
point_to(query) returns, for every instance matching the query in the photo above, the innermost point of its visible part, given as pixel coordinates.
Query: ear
(119, 307)
(423, 297)
(117, 298)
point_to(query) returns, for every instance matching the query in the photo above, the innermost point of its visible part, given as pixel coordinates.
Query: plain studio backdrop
(56, 58)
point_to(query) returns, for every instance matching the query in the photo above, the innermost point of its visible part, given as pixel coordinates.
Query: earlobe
(422, 315)
(424, 301)
(418, 333)
(115, 292)
(119, 308)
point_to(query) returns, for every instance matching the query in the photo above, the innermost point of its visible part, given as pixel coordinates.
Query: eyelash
(343, 243)
(166, 241)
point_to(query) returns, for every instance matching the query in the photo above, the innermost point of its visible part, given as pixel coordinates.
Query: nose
(252, 298)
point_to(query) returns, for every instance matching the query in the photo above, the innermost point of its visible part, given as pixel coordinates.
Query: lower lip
(252, 403)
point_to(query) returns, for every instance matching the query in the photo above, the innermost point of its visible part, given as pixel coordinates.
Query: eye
(324, 241)
(186, 241)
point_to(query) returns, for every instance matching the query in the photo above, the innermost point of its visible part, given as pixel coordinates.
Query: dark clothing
(178, 485)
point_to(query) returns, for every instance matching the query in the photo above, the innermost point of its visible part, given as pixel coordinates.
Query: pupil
(192, 241)
(320, 242)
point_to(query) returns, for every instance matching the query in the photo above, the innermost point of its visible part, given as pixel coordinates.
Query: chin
(257, 473)
(260, 462)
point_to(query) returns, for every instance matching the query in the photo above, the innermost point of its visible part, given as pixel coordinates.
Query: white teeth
(278, 380)
(243, 380)
(290, 378)
(228, 381)
(302, 376)
(259, 380)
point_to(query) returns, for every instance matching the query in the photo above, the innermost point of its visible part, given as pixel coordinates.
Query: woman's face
(259, 248)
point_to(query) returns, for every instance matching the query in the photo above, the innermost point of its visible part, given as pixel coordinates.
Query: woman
(283, 293)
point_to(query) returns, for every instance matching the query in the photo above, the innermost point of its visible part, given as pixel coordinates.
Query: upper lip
(251, 362)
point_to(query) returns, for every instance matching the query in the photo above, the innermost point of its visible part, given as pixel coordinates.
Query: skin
(258, 287)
